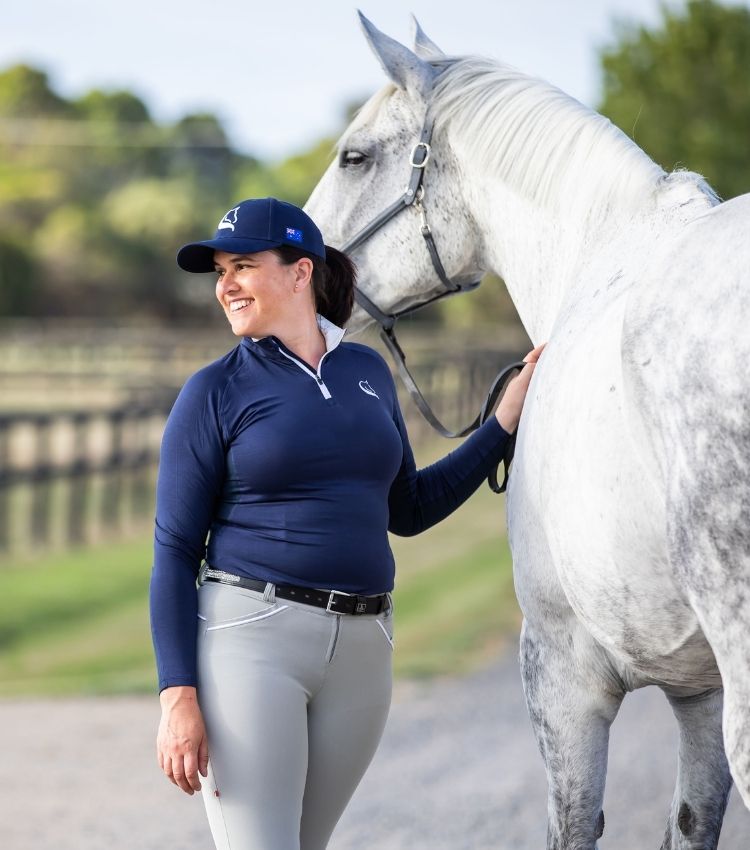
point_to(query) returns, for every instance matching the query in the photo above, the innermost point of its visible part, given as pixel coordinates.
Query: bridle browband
(414, 196)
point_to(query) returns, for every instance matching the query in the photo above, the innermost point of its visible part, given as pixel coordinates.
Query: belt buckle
(332, 600)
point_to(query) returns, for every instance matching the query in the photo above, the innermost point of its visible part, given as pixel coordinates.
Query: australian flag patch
(293, 235)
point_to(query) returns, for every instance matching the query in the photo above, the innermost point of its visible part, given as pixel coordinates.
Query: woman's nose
(228, 282)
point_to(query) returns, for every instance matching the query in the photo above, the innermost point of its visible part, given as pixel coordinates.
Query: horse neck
(549, 182)
(542, 254)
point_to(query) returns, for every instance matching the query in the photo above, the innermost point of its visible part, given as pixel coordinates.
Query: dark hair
(333, 281)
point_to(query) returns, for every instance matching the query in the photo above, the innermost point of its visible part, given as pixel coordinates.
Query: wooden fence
(80, 475)
(77, 477)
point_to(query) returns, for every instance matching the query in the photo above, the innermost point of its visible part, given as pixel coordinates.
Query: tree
(112, 107)
(681, 91)
(25, 93)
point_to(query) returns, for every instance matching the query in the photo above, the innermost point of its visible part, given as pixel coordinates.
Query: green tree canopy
(112, 107)
(25, 93)
(681, 90)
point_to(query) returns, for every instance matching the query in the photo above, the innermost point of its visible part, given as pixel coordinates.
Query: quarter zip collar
(271, 346)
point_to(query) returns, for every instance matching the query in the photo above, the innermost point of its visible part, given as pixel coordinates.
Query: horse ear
(403, 67)
(423, 46)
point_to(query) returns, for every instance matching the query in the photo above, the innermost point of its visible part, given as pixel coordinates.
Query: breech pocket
(223, 607)
(384, 625)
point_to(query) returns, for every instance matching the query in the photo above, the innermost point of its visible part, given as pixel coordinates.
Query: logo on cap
(293, 234)
(229, 220)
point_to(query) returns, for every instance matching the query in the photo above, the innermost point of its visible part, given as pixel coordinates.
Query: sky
(280, 73)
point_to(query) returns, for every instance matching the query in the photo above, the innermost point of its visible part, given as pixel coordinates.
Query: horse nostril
(685, 820)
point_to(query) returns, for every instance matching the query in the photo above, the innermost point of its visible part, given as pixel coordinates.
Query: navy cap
(255, 225)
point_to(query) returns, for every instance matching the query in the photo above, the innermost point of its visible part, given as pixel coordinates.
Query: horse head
(370, 172)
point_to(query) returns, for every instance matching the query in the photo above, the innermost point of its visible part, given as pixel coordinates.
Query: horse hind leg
(703, 778)
(710, 549)
(571, 705)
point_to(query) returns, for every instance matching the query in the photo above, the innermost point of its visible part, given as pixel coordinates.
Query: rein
(414, 196)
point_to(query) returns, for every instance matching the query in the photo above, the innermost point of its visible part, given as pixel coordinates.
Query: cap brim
(199, 256)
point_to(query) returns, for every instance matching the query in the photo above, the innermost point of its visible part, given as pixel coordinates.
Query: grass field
(78, 622)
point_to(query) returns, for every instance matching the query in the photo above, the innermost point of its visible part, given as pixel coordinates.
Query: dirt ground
(458, 768)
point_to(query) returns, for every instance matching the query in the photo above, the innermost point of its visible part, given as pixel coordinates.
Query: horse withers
(629, 500)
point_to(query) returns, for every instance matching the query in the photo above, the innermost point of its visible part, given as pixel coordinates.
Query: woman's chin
(240, 326)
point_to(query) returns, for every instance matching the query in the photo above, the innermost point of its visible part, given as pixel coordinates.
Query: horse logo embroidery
(229, 220)
(366, 388)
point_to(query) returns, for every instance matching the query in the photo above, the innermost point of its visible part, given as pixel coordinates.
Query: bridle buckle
(427, 149)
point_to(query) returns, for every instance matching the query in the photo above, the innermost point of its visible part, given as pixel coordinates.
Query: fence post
(78, 480)
(40, 498)
(5, 484)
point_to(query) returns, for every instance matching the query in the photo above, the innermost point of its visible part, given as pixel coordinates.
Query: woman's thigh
(346, 719)
(256, 666)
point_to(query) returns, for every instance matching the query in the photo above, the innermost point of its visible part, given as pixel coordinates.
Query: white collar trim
(332, 334)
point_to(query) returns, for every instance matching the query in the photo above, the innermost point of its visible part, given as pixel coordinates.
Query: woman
(290, 454)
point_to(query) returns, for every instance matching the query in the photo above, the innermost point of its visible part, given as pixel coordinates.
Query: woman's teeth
(239, 305)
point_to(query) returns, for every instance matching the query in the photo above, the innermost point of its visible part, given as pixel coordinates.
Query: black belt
(334, 601)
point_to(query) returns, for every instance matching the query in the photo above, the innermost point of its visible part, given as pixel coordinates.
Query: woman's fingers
(187, 778)
(509, 410)
(192, 780)
(203, 757)
(182, 771)
(534, 354)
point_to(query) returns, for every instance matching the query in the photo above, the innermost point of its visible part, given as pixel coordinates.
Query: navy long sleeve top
(275, 471)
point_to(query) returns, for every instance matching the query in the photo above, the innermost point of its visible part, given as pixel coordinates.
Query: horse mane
(545, 144)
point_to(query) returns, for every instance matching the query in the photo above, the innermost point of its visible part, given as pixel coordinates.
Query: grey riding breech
(295, 700)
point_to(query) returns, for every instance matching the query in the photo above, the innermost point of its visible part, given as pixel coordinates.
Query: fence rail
(75, 477)
(78, 475)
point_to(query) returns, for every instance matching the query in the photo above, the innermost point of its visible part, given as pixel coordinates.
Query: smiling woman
(257, 291)
(291, 456)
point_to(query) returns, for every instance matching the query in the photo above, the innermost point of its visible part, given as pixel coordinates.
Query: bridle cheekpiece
(414, 196)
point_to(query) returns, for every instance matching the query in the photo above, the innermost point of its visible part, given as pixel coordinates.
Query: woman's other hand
(509, 410)
(181, 745)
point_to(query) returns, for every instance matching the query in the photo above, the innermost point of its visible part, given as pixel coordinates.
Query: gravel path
(458, 768)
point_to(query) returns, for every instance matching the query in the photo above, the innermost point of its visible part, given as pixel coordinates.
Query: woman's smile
(240, 304)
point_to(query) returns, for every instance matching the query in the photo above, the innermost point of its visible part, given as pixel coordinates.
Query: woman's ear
(303, 270)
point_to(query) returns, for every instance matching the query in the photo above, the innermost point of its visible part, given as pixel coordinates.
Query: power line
(66, 132)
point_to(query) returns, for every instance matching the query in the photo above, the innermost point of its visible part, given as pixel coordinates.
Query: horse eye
(352, 158)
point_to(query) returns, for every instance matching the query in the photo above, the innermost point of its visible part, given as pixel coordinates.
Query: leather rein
(414, 196)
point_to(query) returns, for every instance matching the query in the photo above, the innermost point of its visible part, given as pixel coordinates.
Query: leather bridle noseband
(414, 196)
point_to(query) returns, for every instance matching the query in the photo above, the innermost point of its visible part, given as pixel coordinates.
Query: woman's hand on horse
(181, 745)
(509, 410)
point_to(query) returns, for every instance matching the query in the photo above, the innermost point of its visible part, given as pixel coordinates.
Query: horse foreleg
(703, 778)
(572, 702)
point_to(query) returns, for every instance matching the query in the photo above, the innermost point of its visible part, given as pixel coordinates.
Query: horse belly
(591, 496)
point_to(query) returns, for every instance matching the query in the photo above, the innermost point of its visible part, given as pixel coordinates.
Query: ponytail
(334, 288)
(333, 281)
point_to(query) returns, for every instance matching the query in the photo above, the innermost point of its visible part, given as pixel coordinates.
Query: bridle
(414, 196)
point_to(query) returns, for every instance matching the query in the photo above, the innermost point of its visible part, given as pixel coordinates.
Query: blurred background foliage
(95, 195)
